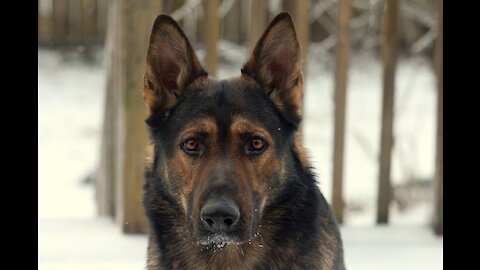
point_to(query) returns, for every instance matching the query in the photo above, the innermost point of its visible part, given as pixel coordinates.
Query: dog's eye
(191, 146)
(256, 146)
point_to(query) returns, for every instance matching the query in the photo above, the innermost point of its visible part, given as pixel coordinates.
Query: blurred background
(372, 120)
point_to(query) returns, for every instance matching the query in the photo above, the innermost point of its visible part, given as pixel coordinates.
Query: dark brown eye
(256, 146)
(191, 146)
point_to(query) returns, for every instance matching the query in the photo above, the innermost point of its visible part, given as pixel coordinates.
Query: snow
(71, 98)
(392, 247)
(93, 243)
(414, 129)
(88, 243)
(70, 102)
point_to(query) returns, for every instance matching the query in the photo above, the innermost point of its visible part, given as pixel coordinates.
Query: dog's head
(223, 148)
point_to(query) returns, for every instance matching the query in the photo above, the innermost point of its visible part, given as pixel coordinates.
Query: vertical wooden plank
(341, 78)
(102, 11)
(438, 208)
(389, 58)
(117, 169)
(74, 21)
(301, 17)
(89, 21)
(300, 11)
(60, 21)
(136, 24)
(190, 26)
(212, 32)
(200, 35)
(289, 5)
(244, 21)
(231, 20)
(104, 189)
(45, 21)
(258, 22)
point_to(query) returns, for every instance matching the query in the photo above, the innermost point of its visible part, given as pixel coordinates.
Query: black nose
(220, 215)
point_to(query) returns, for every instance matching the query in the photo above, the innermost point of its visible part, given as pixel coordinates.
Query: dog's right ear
(171, 65)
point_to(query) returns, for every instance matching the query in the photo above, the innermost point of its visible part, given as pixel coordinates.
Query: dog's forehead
(222, 101)
(233, 88)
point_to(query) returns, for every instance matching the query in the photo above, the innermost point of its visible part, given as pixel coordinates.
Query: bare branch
(225, 7)
(418, 14)
(320, 8)
(423, 42)
(185, 9)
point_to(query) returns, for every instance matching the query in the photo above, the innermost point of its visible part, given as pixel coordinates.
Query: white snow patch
(70, 109)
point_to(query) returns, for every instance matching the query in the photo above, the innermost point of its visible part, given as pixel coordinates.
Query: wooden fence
(83, 22)
(72, 22)
(120, 176)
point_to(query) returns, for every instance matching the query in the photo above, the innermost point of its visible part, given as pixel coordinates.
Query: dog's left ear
(276, 65)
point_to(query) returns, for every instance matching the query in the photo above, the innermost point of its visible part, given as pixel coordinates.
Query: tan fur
(275, 65)
(265, 165)
(300, 150)
(150, 153)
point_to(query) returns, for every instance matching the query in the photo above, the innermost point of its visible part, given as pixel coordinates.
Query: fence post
(301, 14)
(231, 21)
(102, 11)
(89, 21)
(341, 78)
(244, 22)
(117, 62)
(258, 22)
(137, 18)
(45, 23)
(212, 31)
(389, 58)
(75, 14)
(60, 21)
(106, 173)
(300, 11)
(438, 212)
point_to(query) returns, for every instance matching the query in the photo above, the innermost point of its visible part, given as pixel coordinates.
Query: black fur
(304, 215)
(294, 227)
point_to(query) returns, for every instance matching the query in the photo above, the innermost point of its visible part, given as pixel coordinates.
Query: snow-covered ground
(93, 243)
(71, 98)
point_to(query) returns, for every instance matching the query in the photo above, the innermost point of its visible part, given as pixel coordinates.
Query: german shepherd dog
(229, 186)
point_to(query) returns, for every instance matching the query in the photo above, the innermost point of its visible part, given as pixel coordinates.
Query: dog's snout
(220, 215)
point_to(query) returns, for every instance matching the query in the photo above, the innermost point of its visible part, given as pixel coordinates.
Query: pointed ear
(276, 65)
(171, 65)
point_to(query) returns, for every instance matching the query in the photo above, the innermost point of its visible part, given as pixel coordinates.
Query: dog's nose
(220, 215)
